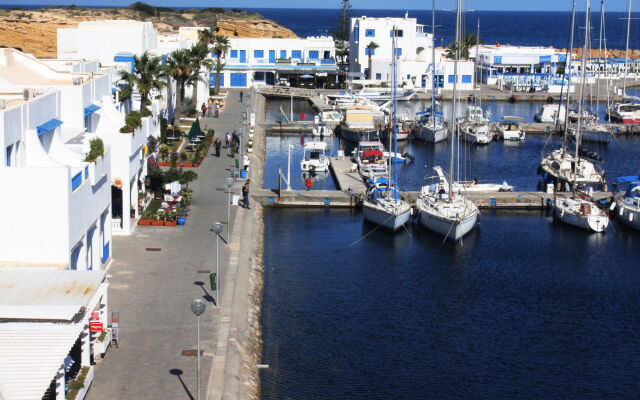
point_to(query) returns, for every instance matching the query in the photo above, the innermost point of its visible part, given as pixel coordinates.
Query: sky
(510, 5)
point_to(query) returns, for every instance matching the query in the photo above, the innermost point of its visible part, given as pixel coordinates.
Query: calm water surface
(525, 308)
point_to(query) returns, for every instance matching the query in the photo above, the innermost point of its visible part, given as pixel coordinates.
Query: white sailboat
(576, 211)
(383, 205)
(628, 206)
(441, 209)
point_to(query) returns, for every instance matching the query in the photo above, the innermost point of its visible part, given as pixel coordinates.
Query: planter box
(164, 164)
(188, 165)
(145, 222)
(100, 348)
(179, 164)
(196, 165)
(170, 223)
(87, 383)
(157, 223)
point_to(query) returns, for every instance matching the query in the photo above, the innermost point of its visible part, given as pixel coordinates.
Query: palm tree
(147, 75)
(180, 67)
(199, 54)
(372, 46)
(220, 47)
(205, 36)
(467, 41)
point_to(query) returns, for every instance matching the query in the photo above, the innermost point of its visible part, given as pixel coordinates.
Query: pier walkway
(346, 178)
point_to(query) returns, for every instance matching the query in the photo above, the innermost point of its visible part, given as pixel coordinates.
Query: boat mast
(395, 123)
(626, 54)
(455, 79)
(583, 65)
(568, 73)
(433, 63)
(475, 68)
(599, 58)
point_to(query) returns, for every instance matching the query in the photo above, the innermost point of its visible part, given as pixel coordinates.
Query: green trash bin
(237, 163)
(212, 278)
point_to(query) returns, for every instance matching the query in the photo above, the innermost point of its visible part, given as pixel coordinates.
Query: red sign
(95, 326)
(95, 316)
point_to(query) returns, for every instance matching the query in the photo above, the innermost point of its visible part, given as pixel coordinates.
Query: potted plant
(181, 220)
(184, 158)
(145, 220)
(171, 219)
(157, 221)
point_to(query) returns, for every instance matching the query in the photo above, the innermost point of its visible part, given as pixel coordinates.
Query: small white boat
(370, 159)
(628, 206)
(321, 129)
(474, 186)
(314, 158)
(509, 128)
(476, 128)
(581, 213)
(550, 113)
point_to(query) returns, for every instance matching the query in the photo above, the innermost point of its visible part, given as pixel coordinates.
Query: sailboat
(576, 211)
(563, 167)
(629, 205)
(442, 209)
(430, 126)
(383, 205)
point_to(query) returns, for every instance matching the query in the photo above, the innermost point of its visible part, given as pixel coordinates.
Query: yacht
(628, 206)
(562, 167)
(430, 127)
(581, 213)
(550, 113)
(358, 124)
(475, 128)
(314, 158)
(321, 129)
(370, 159)
(509, 128)
(384, 206)
(627, 113)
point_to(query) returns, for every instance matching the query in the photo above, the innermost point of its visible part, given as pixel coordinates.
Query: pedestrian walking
(209, 107)
(245, 193)
(217, 144)
(227, 139)
(236, 142)
(245, 161)
(241, 96)
(232, 146)
(204, 109)
(217, 108)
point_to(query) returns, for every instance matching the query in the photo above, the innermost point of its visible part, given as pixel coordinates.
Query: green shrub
(145, 112)
(191, 112)
(132, 121)
(96, 149)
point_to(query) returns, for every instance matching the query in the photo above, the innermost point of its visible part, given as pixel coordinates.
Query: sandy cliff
(34, 31)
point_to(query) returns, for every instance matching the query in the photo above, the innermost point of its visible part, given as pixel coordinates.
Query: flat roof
(46, 294)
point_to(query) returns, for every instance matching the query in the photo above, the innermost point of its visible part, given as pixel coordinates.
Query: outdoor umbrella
(195, 130)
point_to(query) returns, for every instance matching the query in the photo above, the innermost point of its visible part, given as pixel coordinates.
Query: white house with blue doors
(270, 61)
(501, 62)
(57, 210)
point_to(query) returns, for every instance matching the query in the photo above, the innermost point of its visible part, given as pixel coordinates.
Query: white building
(501, 61)
(267, 61)
(414, 54)
(103, 40)
(45, 335)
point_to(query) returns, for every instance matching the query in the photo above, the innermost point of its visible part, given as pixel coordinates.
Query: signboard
(95, 326)
(497, 59)
(545, 59)
(115, 318)
(562, 58)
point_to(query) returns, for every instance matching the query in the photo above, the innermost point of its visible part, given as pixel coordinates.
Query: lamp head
(198, 307)
(217, 227)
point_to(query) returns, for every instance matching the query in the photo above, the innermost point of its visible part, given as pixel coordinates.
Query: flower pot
(179, 164)
(181, 221)
(157, 223)
(145, 222)
(170, 223)
(196, 165)
(188, 165)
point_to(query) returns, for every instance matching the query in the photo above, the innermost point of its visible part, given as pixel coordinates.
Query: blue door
(238, 80)
(212, 79)
(243, 56)
(272, 56)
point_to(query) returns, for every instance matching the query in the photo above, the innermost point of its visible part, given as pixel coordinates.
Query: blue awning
(90, 109)
(48, 126)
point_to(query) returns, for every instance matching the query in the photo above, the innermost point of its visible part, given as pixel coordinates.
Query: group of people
(207, 108)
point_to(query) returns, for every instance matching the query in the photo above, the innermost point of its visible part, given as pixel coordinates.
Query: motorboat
(474, 186)
(550, 113)
(509, 128)
(358, 124)
(445, 211)
(628, 205)
(314, 158)
(592, 132)
(384, 206)
(475, 127)
(322, 129)
(581, 213)
(331, 117)
(430, 127)
(562, 167)
(402, 134)
(370, 159)
(627, 113)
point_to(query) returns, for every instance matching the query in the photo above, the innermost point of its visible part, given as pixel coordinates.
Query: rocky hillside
(34, 31)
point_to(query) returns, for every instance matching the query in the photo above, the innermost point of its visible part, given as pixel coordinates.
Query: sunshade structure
(195, 130)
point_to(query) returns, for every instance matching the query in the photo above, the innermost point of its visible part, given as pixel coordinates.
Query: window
(238, 79)
(366, 51)
(296, 53)
(74, 256)
(327, 54)
(313, 55)
(258, 76)
(398, 52)
(399, 33)
(408, 76)
(233, 54)
(356, 33)
(283, 54)
(451, 79)
(212, 79)
(440, 81)
(378, 76)
(466, 78)
(258, 54)
(9, 151)
(370, 33)
(86, 172)
(90, 248)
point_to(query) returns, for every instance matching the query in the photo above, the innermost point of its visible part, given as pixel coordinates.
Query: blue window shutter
(466, 78)
(327, 54)
(366, 52)
(76, 181)
(233, 54)
(243, 56)
(450, 78)
(238, 79)
(86, 172)
(378, 76)
(313, 55)
(370, 33)
(212, 79)
(258, 54)
(398, 52)
(356, 33)
(296, 54)
(283, 54)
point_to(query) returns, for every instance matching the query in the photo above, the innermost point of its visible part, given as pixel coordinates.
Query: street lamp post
(229, 183)
(198, 307)
(217, 228)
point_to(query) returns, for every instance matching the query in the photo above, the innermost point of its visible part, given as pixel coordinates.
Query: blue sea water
(525, 308)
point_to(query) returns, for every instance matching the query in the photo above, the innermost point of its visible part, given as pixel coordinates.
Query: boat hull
(385, 219)
(430, 135)
(446, 227)
(592, 223)
(357, 135)
(629, 217)
(474, 139)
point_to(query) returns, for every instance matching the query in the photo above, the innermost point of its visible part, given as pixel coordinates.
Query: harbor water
(524, 307)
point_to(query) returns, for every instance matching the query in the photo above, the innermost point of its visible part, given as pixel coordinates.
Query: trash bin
(243, 173)
(237, 163)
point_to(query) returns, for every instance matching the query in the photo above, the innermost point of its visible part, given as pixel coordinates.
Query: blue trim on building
(48, 126)
(90, 109)
(76, 181)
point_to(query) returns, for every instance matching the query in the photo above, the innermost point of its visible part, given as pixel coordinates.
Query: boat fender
(414, 212)
(612, 206)
(512, 99)
(550, 100)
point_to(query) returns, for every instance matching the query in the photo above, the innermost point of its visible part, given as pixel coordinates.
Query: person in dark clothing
(204, 109)
(241, 96)
(245, 194)
(217, 144)
(232, 145)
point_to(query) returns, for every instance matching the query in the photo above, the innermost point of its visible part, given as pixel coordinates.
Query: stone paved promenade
(153, 291)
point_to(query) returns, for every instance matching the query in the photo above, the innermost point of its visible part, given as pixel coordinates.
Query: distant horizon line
(3, 5)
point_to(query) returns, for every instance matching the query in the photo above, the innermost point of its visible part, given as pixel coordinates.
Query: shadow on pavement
(178, 372)
(206, 296)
